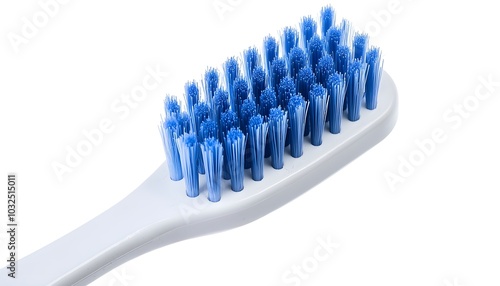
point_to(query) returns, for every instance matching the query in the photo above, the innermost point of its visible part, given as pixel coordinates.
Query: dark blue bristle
(375, 66)
(316, 50)
(252, 60)
(268, 100)
(360, 46)
(336, 90)
(241, 90)
(248, 109)
(192, 93)
(356, 89)
(172, 106)
(289, 40)
(257, 132)
(305, 80)
(184, 122)
(211, 84)
(220, 105)
(278, 71)
(297, 60)
(212, 153)
(277, 135)
(327, 19)
(188, 151)
(326, 67)
(287, 89)
(343, 59)
(297, 110)
(270, 51)
(235, 153)
(308, 28)
(201, 112)
(333, 40)
(231, 71)
(169, 131)
(258, 84)
(208, 129)
(317, 110)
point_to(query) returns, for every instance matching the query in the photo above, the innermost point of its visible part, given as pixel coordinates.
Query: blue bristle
(235, 153)
(192, 93)
(220, 105)
(211, 84)
(316, 49)
(287, 89)
(240, 93)
(268, 100)
(228, 120)
(278, 71)
(343, 59)
(375, 66)
(360, 46)
(184, 122)
(333, 40)
(258, 84)
(326, 67)
(356, 89)
(201, 111)
(297, 60)
(308, 28)
(169, 131)
(252, 60)
(305, 80)
(248, 109)
(317, 110)
(188, 151)
(231, 72)
(212, 153)
(208, 129)
(297, 110)
(172, 106)
(336, 89)
(289, 40)
(327, 19)
(270, 51)
(277, 135)
(346, 28)
(257, 132)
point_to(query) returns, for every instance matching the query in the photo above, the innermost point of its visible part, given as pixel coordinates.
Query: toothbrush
(325, 86)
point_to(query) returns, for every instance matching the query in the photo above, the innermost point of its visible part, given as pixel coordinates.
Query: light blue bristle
(277, 135)
(327, 19)
(241, 90)
(268, 100)
(375, 66)
(228, 120)
(296, 61)
(336, 90)
(172, 106)
(208, 128)
(270, 51)
(252, 60)
(332, 40)
(257, 132)
(188, 151)
(201, 111)
(169, 130)
(305, 80)
(308, 28)
(360, 46)
(235, 153)
(356, 89)
(231, 72)
(184, 122)
(210, 84)
(317, 109)
(343, 58)
(192, 93)
(212, 153)
(315, 50)
(346, 28)
(297, 110)
(220, 105)
(278, 72)
(286, 90)
(289, 40)
(326, 67)
(258, 84)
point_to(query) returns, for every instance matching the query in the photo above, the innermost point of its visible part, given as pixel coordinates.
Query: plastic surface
(159, 212)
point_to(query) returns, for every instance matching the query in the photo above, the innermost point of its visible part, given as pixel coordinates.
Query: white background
(439, 227)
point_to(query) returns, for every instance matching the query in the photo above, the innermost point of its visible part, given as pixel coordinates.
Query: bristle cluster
(311, 78)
